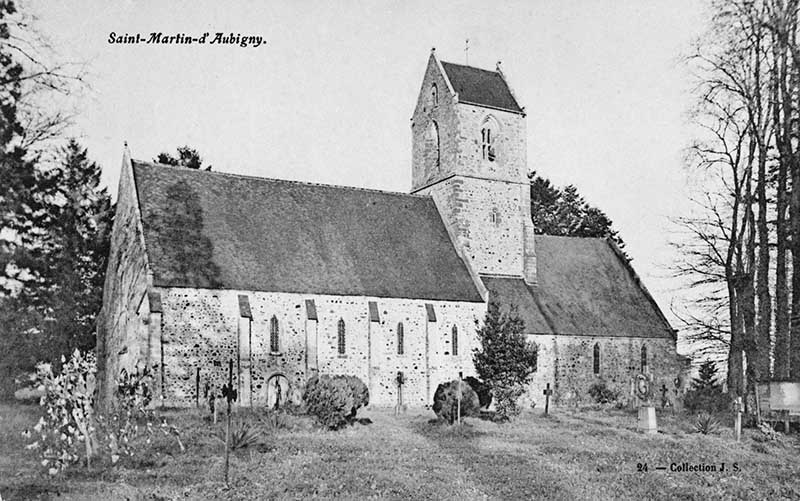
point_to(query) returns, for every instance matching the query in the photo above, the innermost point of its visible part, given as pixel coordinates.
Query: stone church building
(289, 279)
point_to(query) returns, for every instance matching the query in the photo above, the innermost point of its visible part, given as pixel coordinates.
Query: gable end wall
(122, 320)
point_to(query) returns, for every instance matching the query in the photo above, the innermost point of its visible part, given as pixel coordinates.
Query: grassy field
(573, 454)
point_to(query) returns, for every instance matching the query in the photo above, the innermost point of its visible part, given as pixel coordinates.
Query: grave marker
(547, 392)
(401, 379)
(647, 412)
(230, 396)
(458, 395)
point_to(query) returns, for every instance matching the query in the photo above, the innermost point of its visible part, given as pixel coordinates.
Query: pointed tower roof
(481, 87)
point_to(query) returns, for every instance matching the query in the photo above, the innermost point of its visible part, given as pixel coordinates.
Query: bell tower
(469, 154)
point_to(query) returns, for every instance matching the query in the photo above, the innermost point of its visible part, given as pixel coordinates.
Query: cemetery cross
(230, 396)
(547, 392)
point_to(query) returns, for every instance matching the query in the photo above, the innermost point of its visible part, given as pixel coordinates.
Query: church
(285, 280)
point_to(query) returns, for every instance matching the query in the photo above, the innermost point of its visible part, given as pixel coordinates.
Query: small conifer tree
(707, 377)
(505, 359)
(706, 393)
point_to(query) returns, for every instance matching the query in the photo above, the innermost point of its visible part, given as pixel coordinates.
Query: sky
(328, 96)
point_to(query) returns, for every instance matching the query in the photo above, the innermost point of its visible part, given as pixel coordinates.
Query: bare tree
(728, 251)
(48, 83)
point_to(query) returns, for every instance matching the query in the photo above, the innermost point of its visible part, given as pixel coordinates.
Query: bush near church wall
(445, 401)
(335, 400)
(602, 394)
(483, 390)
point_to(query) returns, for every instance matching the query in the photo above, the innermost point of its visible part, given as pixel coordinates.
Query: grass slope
(588, 454)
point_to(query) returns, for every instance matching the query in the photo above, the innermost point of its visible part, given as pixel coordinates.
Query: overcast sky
(328, 96)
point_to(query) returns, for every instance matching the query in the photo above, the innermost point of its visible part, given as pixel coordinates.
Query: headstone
(647, 412)
(547, 392)
(664, 399)
(647, 419)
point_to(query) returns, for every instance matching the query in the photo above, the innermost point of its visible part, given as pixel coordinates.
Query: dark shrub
(482, 389)
(602, 394)
(710, 399)
(445, 401)
(360, 392)
(506, 403)
(335, 400)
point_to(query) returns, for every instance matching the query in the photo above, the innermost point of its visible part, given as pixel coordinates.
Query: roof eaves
(508, 110)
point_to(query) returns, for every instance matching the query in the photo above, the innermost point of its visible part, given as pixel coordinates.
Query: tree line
(55, 215)
(740, 245)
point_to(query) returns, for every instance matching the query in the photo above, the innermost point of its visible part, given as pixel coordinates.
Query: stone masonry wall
(620, 363)
(510, 147)
(486, 203)
(459, 126)
(119, 326)
(199, 330)
(488, 221)
(425, 170)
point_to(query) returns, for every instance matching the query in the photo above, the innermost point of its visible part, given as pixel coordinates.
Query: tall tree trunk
(781, 110)
(760, 362)
(794, 208)
(735, 353)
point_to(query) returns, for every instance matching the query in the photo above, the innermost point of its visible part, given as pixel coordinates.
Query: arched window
(432, 144)
(489, 131)
(274, 346)
(494, 216)
(434, 95)
(644, 358)
(454, 340)
(400, 340)
(341, 339)
(597, 358)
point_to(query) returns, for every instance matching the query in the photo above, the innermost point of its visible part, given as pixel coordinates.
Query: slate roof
(481, 87)
(214, 230)
(584, 288)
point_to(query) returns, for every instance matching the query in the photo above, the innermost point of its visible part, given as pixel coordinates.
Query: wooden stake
(738, 426)
(458, 395)
(547, 393)
(230, 395)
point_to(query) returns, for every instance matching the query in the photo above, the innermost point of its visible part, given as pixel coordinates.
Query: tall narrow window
(432, 144)
(434, 95)
(274, 345)
(644, 358)
(341, 339)
(454, 340)
(400, 340)
(489, 131)
(597, 358)
(494, 216)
